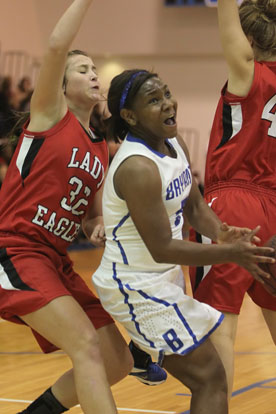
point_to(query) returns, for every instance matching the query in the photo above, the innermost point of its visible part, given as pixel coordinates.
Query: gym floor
(26, 371)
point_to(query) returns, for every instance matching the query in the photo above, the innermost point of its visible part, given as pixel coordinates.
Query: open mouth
(170, 121)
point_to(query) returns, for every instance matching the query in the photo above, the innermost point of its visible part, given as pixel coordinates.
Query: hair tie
(127, 87)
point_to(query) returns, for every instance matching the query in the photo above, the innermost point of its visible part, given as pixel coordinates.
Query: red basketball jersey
(242, 145)
(51, 181)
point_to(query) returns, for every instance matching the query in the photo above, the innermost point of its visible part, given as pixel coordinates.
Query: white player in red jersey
(240, 178)
(53, 185)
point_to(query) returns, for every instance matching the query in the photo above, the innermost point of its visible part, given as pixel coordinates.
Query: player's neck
(82, 116)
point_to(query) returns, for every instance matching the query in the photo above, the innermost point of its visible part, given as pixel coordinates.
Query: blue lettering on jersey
(178, 185)
(178, 214)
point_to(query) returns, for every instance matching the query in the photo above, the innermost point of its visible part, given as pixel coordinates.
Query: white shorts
(158, 316)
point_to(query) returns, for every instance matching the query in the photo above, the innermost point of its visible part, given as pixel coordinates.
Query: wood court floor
(26, 372)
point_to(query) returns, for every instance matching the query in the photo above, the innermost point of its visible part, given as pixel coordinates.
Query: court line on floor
(256, 353)
(259, 384)
(120, 409)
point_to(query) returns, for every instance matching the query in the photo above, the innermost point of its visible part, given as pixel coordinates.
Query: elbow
(56, 45)
(159, 256)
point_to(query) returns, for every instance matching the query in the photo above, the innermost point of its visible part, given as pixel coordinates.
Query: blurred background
(176, 38)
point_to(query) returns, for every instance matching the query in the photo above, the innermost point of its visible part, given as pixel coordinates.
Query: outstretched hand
(249, 255)
(230, 234)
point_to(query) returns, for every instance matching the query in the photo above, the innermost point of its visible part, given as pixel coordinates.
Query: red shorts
(224, 286)
(31, 275)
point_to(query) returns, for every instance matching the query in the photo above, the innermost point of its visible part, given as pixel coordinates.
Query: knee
(200, 371)
(212, 376)
(119, 366)
(87, 346)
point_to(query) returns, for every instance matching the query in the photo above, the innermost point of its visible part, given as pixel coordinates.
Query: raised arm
(236, 48)
(48, 104)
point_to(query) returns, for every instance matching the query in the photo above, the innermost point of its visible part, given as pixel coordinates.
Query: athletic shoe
(146, 371)
(153, 375)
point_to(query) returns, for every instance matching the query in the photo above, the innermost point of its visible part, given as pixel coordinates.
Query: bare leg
(118, 363)
(223, 338)
(64, 323)
(270, 318)
(202, 372)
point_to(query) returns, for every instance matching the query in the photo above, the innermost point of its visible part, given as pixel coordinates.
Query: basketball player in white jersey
(139, 280)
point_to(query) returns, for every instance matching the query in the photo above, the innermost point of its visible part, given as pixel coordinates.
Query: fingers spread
(260, 274)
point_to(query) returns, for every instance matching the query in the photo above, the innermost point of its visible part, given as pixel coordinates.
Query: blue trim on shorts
(205, 337)
(167, 304)
(121, 222)
(131, 308)
(196, 342)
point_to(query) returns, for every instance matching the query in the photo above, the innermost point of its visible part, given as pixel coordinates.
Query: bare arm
(142, 193)
(48, 104)
(236, 48)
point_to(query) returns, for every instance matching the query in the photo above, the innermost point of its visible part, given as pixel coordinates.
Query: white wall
(113, 26)
(180, 43)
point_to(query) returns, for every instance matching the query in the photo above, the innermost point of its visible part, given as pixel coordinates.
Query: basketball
(270, 284)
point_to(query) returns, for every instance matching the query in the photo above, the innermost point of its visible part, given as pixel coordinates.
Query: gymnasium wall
(180, 43)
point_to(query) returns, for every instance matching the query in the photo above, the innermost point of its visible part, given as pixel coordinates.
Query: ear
(128, 116)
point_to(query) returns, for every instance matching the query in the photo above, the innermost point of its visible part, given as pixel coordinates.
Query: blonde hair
(258, 20)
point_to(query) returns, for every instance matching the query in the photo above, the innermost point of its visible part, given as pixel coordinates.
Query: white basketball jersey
(124, 246)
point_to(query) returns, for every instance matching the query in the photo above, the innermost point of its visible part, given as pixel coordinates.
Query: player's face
(155, 110)
(82, 83)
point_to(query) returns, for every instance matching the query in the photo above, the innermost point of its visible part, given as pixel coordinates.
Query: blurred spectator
(23, 94)
(6, 149)
(7, 95)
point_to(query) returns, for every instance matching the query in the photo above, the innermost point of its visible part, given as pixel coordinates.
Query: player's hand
(230, 234)
(249, 255)
(98, 236)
